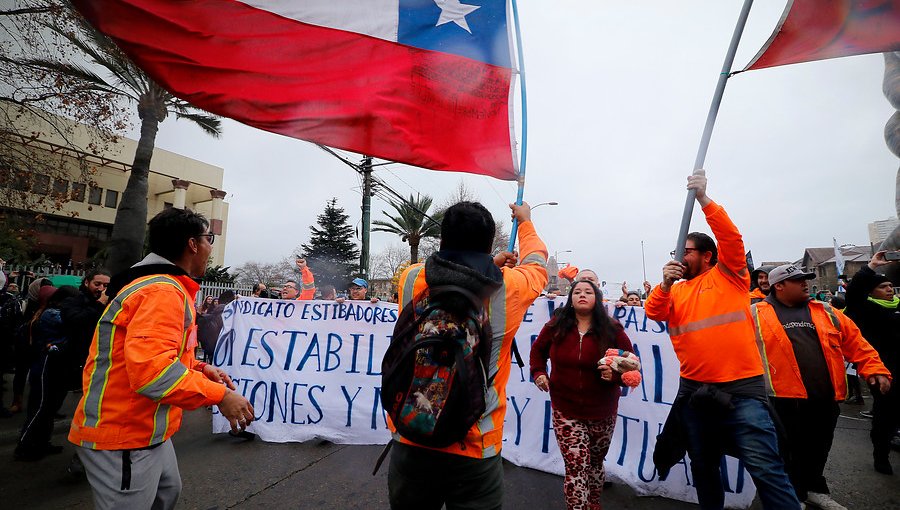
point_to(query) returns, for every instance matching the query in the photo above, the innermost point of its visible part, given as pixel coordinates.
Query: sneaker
(883, 466)
(823, 501)
(75, 470)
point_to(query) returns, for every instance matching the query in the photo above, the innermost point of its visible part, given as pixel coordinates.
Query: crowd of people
(762, 365)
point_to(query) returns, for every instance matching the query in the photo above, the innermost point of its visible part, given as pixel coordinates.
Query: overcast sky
(618, 95)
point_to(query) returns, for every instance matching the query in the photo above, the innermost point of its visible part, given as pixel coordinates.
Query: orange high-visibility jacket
(840, 339)
(756, 295)
(307, 286)
(569, 272)
(140, 369)
(521, 286)
(709, 315)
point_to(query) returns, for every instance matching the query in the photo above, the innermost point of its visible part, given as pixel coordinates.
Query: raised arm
(728, 237)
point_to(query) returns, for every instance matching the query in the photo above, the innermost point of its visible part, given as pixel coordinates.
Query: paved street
(222, 472)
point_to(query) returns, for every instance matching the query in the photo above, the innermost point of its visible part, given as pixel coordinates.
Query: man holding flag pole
(721, 405)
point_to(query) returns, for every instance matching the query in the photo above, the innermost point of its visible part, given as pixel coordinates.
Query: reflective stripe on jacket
(709, 315)
(521, 286)
(140, 368)
(840, 339)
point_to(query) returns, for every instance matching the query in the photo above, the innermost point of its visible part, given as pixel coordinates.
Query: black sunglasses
(686, 250)
(211, 237)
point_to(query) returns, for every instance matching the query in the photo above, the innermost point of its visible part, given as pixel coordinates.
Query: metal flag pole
(521, 179)
(710, 122)
(644, 261)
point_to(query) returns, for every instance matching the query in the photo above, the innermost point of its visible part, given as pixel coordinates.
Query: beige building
(821, 261)
(80, 226)
(880, 230)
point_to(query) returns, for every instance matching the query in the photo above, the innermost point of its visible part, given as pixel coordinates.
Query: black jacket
(879, 325)
(79, 316)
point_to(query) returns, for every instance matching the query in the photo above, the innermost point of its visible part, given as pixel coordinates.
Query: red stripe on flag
(328, 86)
(821, 29)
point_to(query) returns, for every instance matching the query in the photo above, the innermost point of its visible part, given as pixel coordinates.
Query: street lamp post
(543, 203)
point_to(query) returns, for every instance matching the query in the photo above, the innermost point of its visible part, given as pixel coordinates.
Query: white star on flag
(452, 10)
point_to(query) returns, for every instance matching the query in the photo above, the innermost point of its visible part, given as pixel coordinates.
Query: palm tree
(412, 223)
(127, 81)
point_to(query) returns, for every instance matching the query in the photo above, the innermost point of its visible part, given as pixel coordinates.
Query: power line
(378, 182)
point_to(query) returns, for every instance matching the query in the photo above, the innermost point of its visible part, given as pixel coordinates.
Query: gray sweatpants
(135, 479)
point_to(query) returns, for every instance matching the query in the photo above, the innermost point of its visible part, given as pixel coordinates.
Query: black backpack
(434, 373)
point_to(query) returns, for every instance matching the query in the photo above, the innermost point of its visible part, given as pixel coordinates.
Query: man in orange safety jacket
(721, 404)
(471, 470)
(141, 371)
(803, 345)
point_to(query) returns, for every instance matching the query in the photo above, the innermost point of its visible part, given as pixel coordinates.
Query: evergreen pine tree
(332, 254)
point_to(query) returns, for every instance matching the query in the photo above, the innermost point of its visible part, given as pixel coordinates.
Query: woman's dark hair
(169, 231)
(207, 304)
(564, 319)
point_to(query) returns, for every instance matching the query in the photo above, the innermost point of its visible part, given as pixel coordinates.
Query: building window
(21, 182)
(60, 188)
(95, 195)
(78, 190)
(112, 199)
(40, 185)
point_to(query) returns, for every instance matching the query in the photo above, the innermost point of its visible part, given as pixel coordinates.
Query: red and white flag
(422, 82)
(821, 29)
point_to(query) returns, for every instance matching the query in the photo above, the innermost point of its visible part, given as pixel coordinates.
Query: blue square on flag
(469, 28)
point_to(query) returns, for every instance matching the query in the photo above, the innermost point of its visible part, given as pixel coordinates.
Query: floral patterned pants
(583, 444)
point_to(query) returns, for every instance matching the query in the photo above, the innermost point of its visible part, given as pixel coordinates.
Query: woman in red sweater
(585, 397)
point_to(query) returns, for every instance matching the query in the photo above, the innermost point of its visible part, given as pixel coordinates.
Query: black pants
(49, 387)
(809, 429)
(421, 479)
(885, 420)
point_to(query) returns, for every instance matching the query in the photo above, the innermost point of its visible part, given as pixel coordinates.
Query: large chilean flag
(820, 29)
(423, 82)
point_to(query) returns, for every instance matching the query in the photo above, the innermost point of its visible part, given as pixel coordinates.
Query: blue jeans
(746, 432)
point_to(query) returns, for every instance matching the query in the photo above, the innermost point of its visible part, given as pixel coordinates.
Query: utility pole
(366, 167)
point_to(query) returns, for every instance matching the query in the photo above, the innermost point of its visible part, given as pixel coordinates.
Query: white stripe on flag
(377, 18)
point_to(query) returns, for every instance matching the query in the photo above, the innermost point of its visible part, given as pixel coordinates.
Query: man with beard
(80, 315)
(759, 283)
(721, 404)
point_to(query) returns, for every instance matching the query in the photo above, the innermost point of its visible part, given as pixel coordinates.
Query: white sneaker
(823, 501)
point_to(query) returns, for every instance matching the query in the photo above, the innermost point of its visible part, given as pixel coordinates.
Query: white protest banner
(312, 369)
